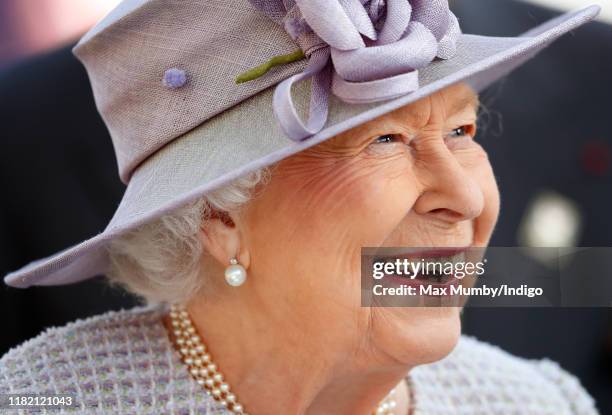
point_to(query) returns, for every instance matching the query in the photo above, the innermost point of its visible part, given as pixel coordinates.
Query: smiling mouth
(426, 266)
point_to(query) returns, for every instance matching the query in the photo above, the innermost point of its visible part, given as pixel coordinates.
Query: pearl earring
(235, 274)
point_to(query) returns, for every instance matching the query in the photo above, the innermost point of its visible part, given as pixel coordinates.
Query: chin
(420, 335)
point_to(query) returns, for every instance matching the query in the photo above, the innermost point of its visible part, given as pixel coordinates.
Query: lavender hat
(198, 93)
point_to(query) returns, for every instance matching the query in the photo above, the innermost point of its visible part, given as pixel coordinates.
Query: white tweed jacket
(123, 363)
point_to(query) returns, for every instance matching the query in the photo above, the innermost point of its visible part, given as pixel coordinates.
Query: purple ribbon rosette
(362, 51)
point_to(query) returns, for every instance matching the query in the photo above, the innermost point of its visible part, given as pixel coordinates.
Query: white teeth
(437, 267)
(454, 259)
(440, 267)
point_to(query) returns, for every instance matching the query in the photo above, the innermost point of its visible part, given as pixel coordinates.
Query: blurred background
(546, 127)
(28, 27)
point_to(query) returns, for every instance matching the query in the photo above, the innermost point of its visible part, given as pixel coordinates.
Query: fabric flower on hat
(362, 51)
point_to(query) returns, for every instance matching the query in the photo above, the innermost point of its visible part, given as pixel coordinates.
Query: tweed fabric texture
(246, 137)
(123, 363)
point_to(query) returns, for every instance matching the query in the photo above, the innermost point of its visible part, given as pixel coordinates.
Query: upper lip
(418, 253)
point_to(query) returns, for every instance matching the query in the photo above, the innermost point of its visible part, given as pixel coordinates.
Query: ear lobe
(220, 237)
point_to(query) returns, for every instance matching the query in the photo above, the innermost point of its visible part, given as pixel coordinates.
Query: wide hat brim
(247, 137)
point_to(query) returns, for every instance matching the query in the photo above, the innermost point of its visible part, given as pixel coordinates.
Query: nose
(449, 192)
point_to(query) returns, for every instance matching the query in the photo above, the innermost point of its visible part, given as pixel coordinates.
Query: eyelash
(463, 131)
(460, 132)
(378, 140)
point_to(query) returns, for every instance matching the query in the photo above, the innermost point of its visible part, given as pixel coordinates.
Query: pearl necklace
(205, 372)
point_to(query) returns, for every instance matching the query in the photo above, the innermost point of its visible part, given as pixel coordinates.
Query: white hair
(160, 262)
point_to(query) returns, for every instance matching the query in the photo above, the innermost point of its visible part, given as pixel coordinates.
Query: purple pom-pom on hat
(174, 78)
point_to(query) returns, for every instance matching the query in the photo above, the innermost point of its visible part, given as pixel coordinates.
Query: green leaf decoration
(260, 70)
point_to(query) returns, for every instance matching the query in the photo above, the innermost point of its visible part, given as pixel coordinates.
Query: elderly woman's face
(414, 177)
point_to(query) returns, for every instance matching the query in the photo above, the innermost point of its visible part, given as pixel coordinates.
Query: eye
(387, 138)
(461, 131)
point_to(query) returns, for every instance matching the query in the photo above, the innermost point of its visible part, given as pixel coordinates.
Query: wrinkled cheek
(329, 215)
(381, 204)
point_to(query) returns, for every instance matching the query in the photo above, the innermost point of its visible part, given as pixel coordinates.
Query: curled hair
(160, 260)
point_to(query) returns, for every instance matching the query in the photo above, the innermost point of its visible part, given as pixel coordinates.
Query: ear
(221, 237)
